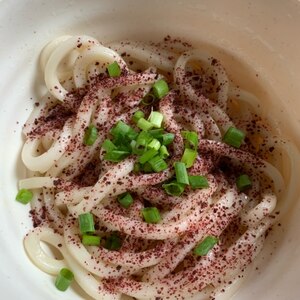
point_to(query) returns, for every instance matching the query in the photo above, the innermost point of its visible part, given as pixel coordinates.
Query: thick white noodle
(44, 161)
(206, 59)
(59, 53)
(49, 48)
(32, 244)
(151, 55)
(96, 53)
(101, 189)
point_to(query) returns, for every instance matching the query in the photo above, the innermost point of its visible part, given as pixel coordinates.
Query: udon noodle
(69, 178)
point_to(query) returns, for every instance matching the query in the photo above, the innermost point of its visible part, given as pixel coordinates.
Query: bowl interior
(255, 41)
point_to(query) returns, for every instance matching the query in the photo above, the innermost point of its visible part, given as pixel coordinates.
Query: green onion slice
(86, 223)
(160, 89)
(151, 215)
(189, 157)
(156, 133)
(234, 137)
(123, 135)
(154, 144)
(206, 245)
(156, 119)
(174, 188)
(147, 168)
(108, 145)
(64, 279)
(181, 173)
(243, 182)
(163, 152)
(147, 155)
(113, 242)
(121, 130)
(157, 164)
(168, 138)
(198, 182)
(144, 138)
(125, 200)
(24, 196)
(114, 69)
(139, 150)
(90, 135)
(137, 115)
(191, 139)
(133, 146)
(116, 155)
(149, 99)
(144, 124)
(91, 240)
(139, 146)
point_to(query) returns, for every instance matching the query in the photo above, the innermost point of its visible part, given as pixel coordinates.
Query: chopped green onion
(24, 196)
(64, 279)
(114, 69)
(156, 119)
(198, 182)
(137, 150)
(154, 144)
(121, 130)
(160, 89)
(125, 200)
(189, 157)
(86, 223)
(143, 139)
(132, 134)
(205, 246)
(191, 139)
(243, 182)
(151, 215)
(156, 133)
(234, 137)
(174, 188)
(125, 147)
(91, 240)
(163, 152)
(133, 146)
(113, 242)
(137, 115)
(147, 155)
(90, 135)
(157, 164)
(147, 168)
(108, 145)
(116, 155)
(168, 138)
(149, 99)
(144, 124)
(181, 173)
(139, 146)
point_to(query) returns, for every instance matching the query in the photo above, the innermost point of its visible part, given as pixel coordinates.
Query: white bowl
(250, 37)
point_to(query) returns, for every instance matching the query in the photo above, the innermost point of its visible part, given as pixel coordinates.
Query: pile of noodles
(69, 178)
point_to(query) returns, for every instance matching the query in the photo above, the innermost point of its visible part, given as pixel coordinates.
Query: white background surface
(261, 34)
